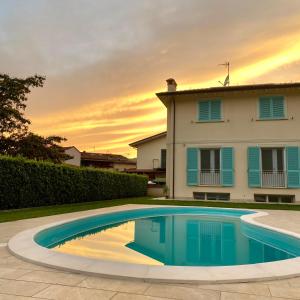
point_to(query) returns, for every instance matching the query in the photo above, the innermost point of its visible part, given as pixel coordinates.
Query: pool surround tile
(24, 246)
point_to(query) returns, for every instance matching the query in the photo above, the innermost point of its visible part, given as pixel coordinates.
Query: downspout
(172, 85)
(173, 146)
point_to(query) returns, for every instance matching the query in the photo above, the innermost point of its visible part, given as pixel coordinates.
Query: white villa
(238, 143)
(151, 158)
(151, 152)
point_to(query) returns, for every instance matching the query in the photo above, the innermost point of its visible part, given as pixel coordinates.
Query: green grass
(35, 212)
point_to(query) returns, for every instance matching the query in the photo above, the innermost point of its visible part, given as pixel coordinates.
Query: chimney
(171, 85)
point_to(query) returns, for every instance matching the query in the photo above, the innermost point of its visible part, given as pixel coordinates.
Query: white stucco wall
(75, 161)
(240, 129)
(122, 166)
(149, 153)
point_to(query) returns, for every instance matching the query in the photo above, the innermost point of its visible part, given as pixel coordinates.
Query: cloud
(104, 60)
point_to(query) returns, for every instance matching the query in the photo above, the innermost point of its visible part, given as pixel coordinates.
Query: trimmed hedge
(29, 183)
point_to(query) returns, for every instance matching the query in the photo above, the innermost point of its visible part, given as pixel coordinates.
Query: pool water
(186, 237)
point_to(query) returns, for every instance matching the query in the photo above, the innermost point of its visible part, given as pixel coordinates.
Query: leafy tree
(37, 147)
(13, 95)
(15, 138)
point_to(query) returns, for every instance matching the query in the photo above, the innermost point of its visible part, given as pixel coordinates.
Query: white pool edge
(23, 246)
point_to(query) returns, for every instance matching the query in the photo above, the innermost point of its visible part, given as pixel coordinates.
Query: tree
(13, 95)
(37, 147)
(15, 139)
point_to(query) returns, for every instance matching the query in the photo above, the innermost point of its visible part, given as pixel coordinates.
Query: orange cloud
(103, 68)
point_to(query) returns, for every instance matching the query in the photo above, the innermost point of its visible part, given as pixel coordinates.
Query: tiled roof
(106, 157)
(70, 147)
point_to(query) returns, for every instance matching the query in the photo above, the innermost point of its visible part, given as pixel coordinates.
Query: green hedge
(27, 183)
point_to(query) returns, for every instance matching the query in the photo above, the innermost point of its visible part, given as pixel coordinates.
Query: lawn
(35, 212)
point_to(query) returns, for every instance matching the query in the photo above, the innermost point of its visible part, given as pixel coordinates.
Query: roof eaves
(148, 139)
(237, 88)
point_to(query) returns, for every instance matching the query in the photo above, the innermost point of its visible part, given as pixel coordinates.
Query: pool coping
(23, 246)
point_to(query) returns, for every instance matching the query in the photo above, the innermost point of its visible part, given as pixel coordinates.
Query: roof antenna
(227, 79)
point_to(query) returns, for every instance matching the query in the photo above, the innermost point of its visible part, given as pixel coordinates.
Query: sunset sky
(105, 59)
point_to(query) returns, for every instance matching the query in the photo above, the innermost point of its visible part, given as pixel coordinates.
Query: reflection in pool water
(182, 240)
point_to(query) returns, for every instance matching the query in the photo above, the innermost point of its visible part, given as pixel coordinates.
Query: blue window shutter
(215, 109)
(204, 111)
(265, 110)
(227, 166)
(192, 166)
(254, 168)
(278, 110)
(293, 167)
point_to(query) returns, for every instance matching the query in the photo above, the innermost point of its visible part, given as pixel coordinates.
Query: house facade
(238, 143)
(75, 154)
(151, 155)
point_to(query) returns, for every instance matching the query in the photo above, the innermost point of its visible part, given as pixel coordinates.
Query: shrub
(28, 183)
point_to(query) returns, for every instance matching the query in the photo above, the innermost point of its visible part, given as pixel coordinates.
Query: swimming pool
(164, 243)
(177, 236)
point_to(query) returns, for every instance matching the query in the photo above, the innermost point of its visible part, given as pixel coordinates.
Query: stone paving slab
(182, 292)
(126, 286)
(21, 288)
(61, 292)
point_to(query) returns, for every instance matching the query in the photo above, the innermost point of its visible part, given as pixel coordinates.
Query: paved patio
(22, 280)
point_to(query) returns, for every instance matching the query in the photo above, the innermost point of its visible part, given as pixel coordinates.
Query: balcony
(210, 177)
(273, 179)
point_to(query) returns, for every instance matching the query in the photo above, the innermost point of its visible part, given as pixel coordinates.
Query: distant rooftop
(70, 147)
(107, 157)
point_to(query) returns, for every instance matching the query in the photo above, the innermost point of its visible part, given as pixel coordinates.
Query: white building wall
(76, 160)
(122, 166)
(239, 129)
(149, 153)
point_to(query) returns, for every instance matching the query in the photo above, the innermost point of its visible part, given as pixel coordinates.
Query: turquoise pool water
(178, 236)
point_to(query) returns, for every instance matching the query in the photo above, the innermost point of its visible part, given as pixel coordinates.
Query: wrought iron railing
(273, 178)
(210, 177)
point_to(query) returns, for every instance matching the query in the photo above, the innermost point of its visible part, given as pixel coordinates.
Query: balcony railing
(273, 179)
(210, 177)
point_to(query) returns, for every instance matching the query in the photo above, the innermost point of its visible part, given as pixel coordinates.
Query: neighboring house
(107, 161)
(76, 156)
(239, 143)
(151, 155)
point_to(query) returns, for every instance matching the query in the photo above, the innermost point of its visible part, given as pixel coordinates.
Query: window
(210, 159)
(271, 108)
(273, 171)
(163, 157)
(155, 163)
(210, 167)
(272, 159)
(218, 196)
(211, 196)
(210, 110)
(260, 198)
(267, 168)
(199, 196)
(287, 199)
(274, 198)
